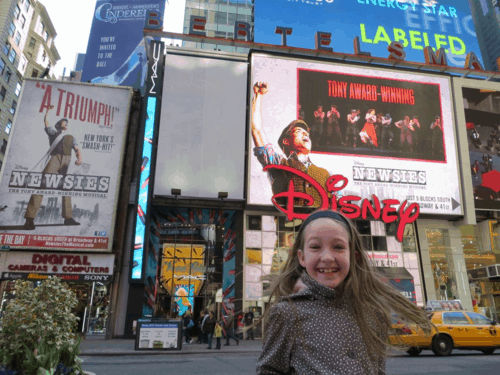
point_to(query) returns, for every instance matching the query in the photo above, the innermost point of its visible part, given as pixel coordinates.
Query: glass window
(3, 91)
(3, 149)
(18, 38)
(254, 222)
(32, 43)
(17, 11)
(363, 227)
(8, 74)
(2, 66)
(12, 55)
(454, 318)
(379, 243)
(254, 256)
(23, 22)
(27, 5)
(479, 319)
(8, 126)
(14, 107)
(35, 73)
(45, 35)
(12, 29)
(18, 89)
(6, 48)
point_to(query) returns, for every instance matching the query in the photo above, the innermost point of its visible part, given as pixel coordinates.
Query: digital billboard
(479, 118)
(415, 23)
(344, 136)
(116, 54)
(62, 172)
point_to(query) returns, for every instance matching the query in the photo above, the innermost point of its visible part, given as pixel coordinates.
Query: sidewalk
(100, 347)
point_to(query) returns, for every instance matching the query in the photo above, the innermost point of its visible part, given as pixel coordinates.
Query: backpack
(190, 324)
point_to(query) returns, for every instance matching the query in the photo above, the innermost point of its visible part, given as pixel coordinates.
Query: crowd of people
(209, 327)
(377, 130)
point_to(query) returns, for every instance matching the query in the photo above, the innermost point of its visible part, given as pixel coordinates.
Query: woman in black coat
(209, 327)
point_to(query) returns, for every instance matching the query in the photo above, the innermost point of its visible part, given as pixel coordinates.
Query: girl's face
(326, 252)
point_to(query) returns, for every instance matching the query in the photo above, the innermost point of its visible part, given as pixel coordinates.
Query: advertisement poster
(365, 135)
(482, 118)
(116, 54)
(69, 267)
(158, 336)
(63, 166)
(415, 23)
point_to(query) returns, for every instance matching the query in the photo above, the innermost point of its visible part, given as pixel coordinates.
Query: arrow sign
(454, 204)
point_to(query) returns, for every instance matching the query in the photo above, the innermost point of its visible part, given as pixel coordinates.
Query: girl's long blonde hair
(371, 298)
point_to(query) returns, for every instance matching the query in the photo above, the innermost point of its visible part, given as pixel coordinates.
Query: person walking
(249, 324)
(326, 327)
(188, 324)
(201, 336)
(218, 334)
(230, 328)
(209, 327)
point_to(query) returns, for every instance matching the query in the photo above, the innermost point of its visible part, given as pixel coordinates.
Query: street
(462, 362)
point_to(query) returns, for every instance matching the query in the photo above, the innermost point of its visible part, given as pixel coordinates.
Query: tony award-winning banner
(62, 170)
(361, 140)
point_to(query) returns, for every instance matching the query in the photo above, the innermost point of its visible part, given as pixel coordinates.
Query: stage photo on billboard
(353, 114)
(345, 133)
(482, 121)
(62, 170)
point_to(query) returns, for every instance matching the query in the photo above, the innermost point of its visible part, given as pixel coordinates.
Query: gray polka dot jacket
(312, 335)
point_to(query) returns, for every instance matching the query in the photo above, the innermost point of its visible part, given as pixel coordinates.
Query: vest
(281, 182)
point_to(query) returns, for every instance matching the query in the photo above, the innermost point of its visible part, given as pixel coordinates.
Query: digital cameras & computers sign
(377, 23)
(361, 140)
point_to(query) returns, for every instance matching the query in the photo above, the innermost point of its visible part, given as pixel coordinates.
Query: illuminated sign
(414, 23)
(360, 140)
(155, 76)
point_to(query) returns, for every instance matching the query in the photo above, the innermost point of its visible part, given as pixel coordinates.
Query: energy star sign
(377, 23)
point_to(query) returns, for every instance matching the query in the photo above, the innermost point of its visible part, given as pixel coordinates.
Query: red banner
(53, 242)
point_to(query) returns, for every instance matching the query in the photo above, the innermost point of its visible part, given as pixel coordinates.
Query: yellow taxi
(462, 330)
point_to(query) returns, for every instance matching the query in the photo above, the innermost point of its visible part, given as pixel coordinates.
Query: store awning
(394, 273)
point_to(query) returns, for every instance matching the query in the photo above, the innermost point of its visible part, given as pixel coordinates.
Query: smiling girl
(331, 312)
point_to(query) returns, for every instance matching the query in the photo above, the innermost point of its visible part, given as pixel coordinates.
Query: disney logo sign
(385, 211)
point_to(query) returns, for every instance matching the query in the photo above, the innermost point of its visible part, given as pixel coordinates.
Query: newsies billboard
(363, 140)
(37, 266)
(62, 170)
(377, 23)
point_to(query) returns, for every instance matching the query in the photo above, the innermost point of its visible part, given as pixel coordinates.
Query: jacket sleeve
(277, 349)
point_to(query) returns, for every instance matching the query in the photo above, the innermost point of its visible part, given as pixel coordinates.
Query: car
(462, 330)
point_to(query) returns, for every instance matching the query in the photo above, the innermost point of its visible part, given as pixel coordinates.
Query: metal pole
(90, 308)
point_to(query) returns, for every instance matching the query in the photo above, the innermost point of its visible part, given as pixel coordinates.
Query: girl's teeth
(329, 270)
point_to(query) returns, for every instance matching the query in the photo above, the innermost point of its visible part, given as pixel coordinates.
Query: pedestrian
(200, 327)
(241, 327)
(249, 323)
(218, 334)
(188, 324)
(338, 322)
(230, 328)
(209, 327)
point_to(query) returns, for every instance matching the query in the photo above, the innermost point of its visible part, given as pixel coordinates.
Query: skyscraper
(487, 22)
(221, 16)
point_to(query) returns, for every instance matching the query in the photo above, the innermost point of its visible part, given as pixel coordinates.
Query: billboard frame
(120, 163)
(467, 217)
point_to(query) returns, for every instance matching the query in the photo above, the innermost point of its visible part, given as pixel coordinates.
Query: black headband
(324, 213)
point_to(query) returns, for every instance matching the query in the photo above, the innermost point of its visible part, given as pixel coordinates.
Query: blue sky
(381, 19)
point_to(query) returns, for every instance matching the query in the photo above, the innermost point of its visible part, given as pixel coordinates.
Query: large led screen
(356, 131)
(478, 103)
(415, 23)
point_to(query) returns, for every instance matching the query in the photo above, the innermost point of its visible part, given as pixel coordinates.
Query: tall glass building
(221, 16)
(487, 23)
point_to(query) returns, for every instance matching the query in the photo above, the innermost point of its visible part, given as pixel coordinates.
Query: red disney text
(385, 210)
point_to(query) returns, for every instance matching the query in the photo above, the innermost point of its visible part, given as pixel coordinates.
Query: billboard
(479, 121)
(415, 23)
(62, 172)
(69, 267)
(330, 135)
(116, 54)
(202, 128)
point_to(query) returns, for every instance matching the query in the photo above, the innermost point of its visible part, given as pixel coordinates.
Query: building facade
(221, 16)
(487, 22)
(27, 49)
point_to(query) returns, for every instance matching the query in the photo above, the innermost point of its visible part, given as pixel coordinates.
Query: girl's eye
(314, 247)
